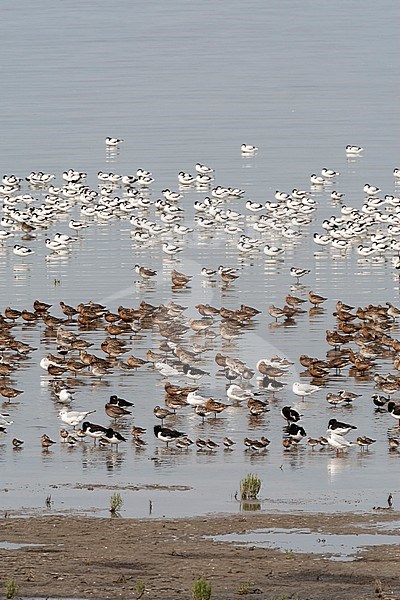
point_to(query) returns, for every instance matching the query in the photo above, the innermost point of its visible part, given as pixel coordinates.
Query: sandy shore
(105, 558)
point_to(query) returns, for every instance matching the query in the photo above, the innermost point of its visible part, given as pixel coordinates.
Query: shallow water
(181, 85)
(335, 547)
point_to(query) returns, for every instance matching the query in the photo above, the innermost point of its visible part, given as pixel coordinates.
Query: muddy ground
(105, 558)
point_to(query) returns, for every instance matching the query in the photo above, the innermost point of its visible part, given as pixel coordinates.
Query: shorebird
(353, 150)
(113, 437)
(298, 273)
(339, 427)
(394, 410)
(46, 442)
(290, 414)
(248, 149)
(144, 272)
(364, 441)
(167, 435)
(113, 142)
(114, 411)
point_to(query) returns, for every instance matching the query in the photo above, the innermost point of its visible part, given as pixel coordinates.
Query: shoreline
(85, 557)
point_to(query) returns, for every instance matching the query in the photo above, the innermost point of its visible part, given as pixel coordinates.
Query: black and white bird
(339, 428)
(114, 399)
(167, 435)
(93, 430)
(290, 414)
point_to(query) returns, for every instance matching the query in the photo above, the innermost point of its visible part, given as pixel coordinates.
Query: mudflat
(83, 557)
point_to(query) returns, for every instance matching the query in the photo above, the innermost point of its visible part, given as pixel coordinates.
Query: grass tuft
(11, 589)
(140, 588)
(250, 487)
(116, 503)
(201, 589)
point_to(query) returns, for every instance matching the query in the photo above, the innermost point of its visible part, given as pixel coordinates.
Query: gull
(236, 393)
(65, 396)
(166, 370)
(338, 441)
(73, 417)
(304, 389)
(195, 399)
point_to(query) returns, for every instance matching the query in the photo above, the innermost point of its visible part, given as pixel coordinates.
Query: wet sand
(105, 558)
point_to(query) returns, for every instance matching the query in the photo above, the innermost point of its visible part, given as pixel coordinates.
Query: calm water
(183, 83)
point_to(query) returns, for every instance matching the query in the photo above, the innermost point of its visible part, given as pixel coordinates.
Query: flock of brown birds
(369, 328)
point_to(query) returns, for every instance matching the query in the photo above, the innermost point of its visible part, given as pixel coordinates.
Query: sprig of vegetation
(201, 589)
(116, 503)
(11, 588)
(139, 589)
(250, 487)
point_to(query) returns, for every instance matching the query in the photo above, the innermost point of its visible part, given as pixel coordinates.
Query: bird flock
(189, 355)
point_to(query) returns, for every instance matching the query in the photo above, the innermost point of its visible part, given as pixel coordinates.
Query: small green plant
(11, 588)
(116, 503)
(56, 282)
(288, 553)
(139, 589)
(49, 501)
(246, 588)
(201, 589)
(250, 487)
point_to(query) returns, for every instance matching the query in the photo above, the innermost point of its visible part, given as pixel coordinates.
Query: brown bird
(46, 442)
(9, 392)
(177, 390)
(41, 307)
(175, 403)
(51, 322)
(11, 313)
(64, 434)
(29, 317)
(276, 312)
(144, 272)
(161, 413)
(114, 411)
(17, 443)
(136, 362)
(69, 311)
(294, 301)
(315, 299)
(215, 406)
